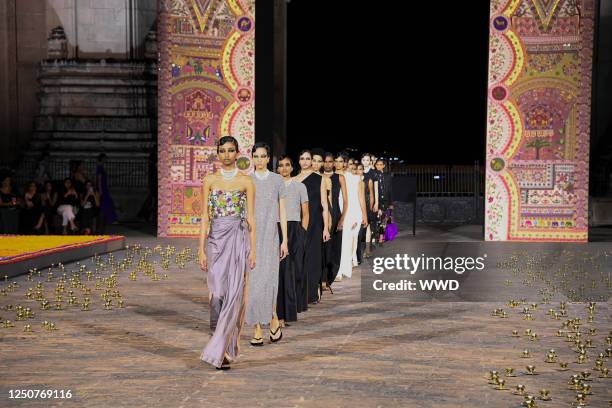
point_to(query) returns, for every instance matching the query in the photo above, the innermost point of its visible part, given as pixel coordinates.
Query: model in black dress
(335, 185)
(318, 229)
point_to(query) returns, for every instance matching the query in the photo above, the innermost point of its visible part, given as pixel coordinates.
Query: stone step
(87, 123)
(93, 135)
(94, 110)
(73, 84)
(91, 145)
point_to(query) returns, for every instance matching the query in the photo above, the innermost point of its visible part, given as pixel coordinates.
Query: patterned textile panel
(206, 91)
(539, 103)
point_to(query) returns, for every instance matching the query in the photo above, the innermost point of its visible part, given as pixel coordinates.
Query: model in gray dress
(263, 280)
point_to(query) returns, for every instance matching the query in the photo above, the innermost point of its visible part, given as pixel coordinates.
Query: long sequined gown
(227, 252)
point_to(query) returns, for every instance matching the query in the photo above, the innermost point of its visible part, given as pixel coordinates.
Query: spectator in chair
(32, 215)
(9, 206)
(49, 201)
(67, 206)
(90, 205)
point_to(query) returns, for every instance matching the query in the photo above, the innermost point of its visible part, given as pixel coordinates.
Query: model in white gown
(352, 222)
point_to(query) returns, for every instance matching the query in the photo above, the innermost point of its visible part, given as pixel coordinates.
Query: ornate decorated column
(206, 90)
(540, 56)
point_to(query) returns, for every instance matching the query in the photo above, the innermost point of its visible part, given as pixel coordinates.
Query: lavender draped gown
(227, 251)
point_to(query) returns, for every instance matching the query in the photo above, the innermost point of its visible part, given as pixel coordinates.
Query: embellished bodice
(227, 204)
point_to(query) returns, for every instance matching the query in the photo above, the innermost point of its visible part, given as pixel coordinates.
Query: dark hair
(64, 183)
(366, 154)
(318, 152)
(284, 157)
(342, 154)
(382, 161)
(227, 139)
(328, 154)
(306, 151)
(261, 145)
(359, 164)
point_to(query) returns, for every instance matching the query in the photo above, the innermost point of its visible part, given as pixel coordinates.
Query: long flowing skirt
(332, 253)
(227, 251)
(290, 268)
(313, 257)
(348, 248)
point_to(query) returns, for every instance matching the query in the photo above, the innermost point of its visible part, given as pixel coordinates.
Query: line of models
(271, 244)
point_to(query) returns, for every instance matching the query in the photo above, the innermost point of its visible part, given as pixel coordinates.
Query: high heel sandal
(273, 333)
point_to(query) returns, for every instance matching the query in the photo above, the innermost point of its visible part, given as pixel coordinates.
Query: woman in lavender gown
(227, 252)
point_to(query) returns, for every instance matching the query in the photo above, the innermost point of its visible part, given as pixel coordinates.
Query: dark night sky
(354, 72)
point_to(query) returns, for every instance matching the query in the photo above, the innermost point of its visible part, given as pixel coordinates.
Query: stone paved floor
(342, 352)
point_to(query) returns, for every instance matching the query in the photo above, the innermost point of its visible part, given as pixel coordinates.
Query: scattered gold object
(510, 372)
(525, 354)
(545, 395)
(520, 389)
(586, 389)
(515, 333)
(27, 328)
(530, 369)
(563, 366)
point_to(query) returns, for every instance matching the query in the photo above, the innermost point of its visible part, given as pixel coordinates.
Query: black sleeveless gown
(333, 247)
(313, 253)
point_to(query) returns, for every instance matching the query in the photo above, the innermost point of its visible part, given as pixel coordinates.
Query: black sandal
(273, 333)
(225, 365)
(258, 341)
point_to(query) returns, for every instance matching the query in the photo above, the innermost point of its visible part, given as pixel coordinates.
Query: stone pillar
(8, 80)
(279, 115)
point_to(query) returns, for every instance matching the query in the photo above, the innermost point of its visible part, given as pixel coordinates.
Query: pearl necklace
(228, 175)
(265, 176)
